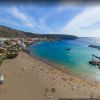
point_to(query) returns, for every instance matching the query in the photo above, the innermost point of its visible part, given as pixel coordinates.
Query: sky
(74, 19)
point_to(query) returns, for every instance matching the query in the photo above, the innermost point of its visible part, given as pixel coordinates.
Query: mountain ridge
(7, 32)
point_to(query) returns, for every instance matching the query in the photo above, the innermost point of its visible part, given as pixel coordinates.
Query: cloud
(53, 11)
(87, 23)
(46, 19)
(28, 21)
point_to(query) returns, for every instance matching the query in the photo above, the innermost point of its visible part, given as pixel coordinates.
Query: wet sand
(28, 78)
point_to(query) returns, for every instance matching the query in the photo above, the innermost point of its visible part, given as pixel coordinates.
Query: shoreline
(65, 72)
(58, 67)
(55, 66)
(27, 78)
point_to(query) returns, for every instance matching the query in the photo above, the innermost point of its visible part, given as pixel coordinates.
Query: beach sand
(28, 78)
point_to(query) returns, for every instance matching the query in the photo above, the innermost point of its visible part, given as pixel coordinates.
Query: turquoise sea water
(75, 60)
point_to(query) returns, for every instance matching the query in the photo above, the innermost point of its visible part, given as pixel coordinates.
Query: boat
(94, 46)
(94, 61)
(1, 79)
(68, 49)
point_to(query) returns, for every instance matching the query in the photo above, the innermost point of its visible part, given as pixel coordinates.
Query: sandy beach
(28, 78)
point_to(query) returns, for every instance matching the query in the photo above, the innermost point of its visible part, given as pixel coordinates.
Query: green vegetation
(12, 51)
(11, 55)
(2, 58)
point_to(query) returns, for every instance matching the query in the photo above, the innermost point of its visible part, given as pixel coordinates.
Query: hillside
(7, 32)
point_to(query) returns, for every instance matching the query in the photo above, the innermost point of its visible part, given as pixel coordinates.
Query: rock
(23, 69)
